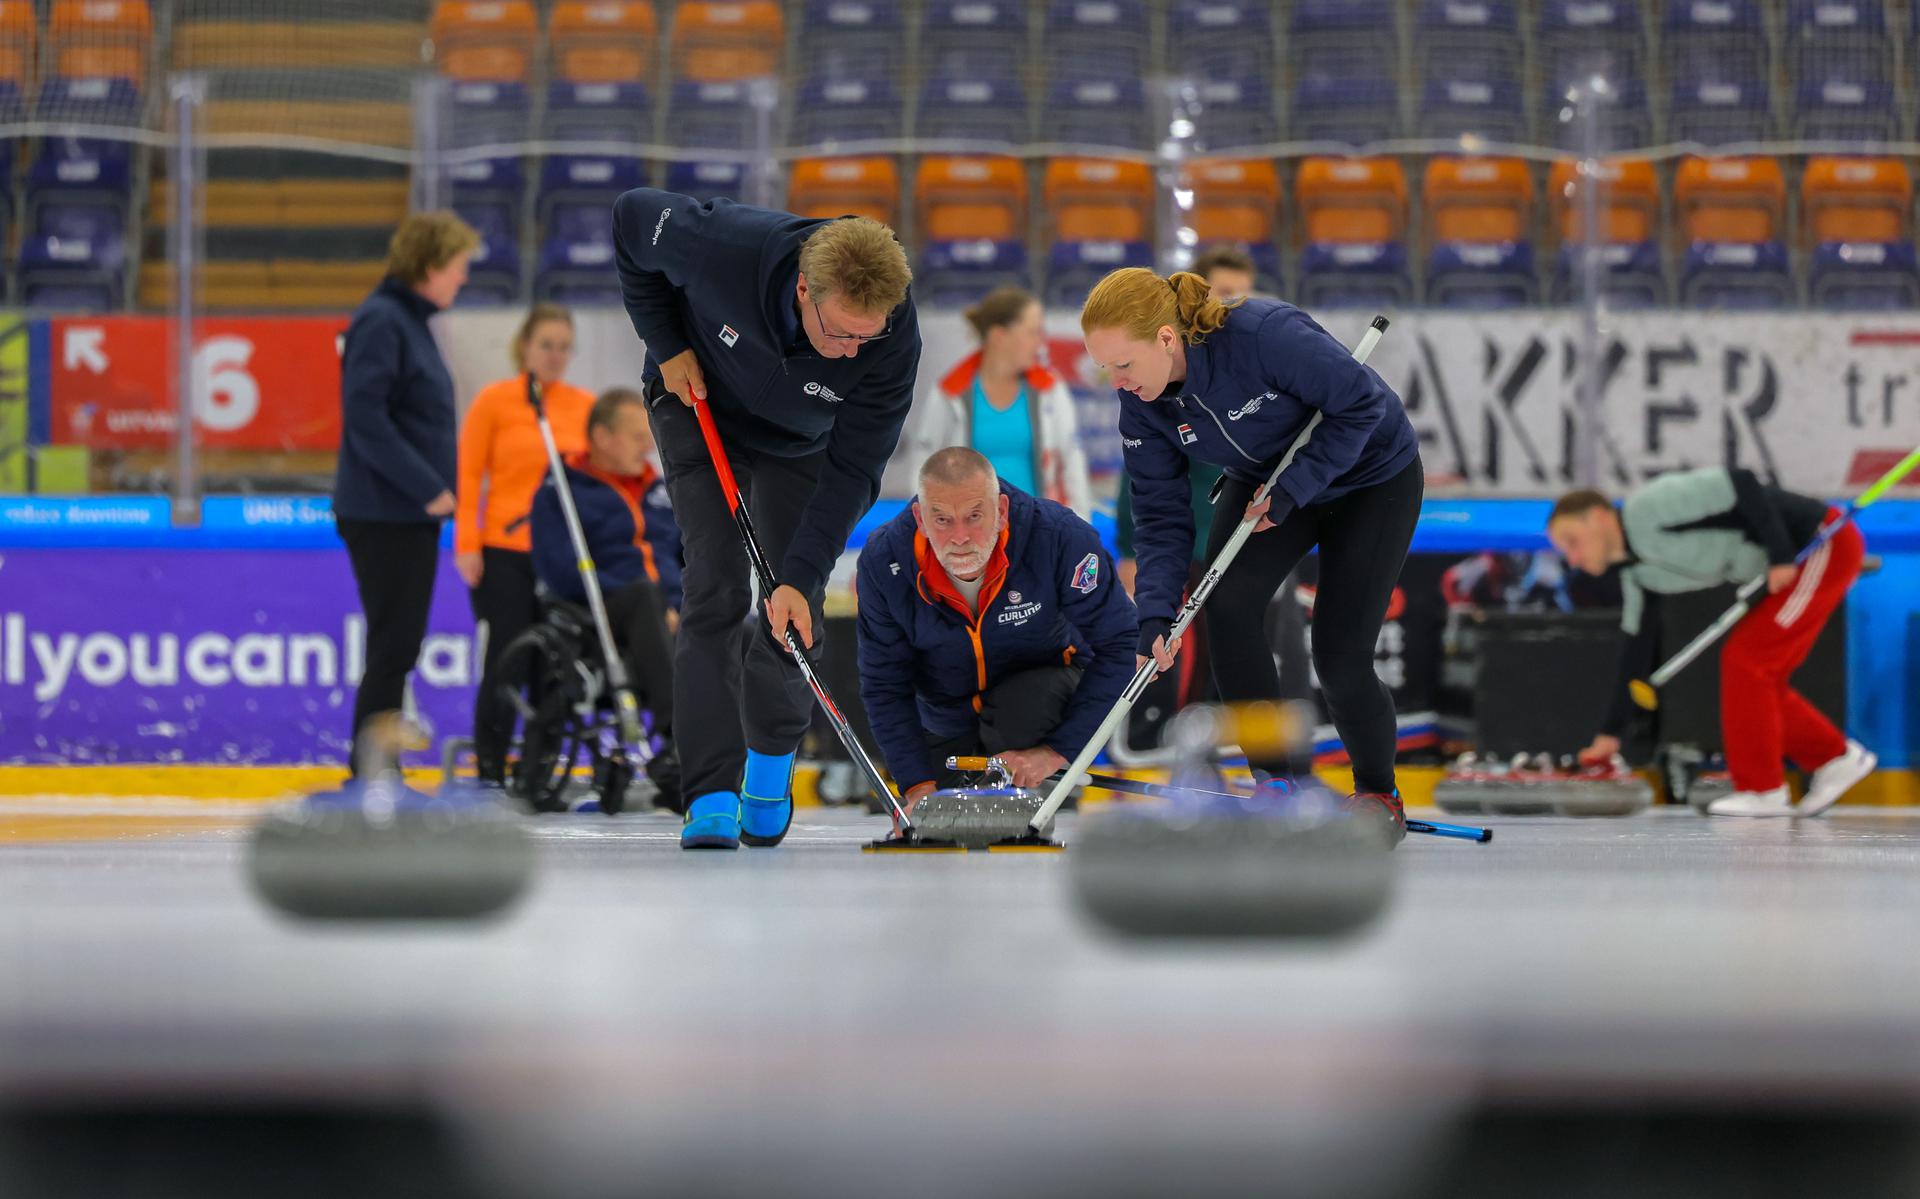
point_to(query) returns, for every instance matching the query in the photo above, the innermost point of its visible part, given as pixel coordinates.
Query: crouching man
(990, 623)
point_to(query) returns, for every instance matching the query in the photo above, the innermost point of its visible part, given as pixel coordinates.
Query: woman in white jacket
(1003, 403)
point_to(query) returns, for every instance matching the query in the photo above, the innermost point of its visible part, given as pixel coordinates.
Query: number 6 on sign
(225, 396)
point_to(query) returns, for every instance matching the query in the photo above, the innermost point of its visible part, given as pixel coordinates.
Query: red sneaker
(1386, 809)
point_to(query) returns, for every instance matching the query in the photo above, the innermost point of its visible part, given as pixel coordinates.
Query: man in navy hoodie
(801, 338)
(990, 623)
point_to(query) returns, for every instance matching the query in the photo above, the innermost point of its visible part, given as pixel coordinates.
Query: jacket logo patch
(1251, 406)
(1018, 613)
(729, 335)
(1132, 443)
(825, 393)
(660, 224)
(895, 566)
(1013, 597)
(1086, 576)
(1187, 435)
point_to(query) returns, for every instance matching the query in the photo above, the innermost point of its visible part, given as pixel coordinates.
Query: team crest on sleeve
(1086, 576)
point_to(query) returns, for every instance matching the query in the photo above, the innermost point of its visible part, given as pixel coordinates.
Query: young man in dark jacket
(801, 338)
(1695, 529)
(630, 536)
(990, 623)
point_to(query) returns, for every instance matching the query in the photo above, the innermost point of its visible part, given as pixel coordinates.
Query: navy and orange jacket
(1049, 597)
(629, 527)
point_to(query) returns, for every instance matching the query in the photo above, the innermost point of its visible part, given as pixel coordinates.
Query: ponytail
(1140, 303)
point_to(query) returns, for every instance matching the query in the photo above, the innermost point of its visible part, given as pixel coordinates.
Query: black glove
(1151, 630)
(1282, 506)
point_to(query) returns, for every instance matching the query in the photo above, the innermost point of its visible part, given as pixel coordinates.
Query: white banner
(1821, 403)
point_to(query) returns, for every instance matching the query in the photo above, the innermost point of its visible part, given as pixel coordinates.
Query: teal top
(1006, 438)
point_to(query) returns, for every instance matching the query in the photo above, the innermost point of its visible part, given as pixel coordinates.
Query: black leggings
(505, 604)
(393, 568)
(1363, 538)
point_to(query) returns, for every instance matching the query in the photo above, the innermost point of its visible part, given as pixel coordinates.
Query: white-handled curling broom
(1646, 692)
(625, 705)
(1224, 559)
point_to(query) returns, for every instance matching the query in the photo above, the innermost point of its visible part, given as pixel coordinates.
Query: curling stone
(1540, 785)
(992, 815)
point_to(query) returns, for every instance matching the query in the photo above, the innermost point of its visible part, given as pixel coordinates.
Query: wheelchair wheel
(537, 671)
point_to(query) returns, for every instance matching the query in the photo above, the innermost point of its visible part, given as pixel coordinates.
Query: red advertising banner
(260, 383)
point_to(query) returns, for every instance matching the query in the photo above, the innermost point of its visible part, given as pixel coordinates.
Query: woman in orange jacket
(502, 462)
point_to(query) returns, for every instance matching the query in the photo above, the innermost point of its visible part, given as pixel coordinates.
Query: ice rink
(813, 1020)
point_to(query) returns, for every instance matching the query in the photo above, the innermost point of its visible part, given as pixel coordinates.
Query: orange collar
(936, 586)
(961, 377)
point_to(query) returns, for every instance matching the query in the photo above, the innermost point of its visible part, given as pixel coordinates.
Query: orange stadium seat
(1099, 199)
(18, 27)
(1351, 200)
(603, 41)
(831, 187)
(485, 40)
(1856, 199)
(1629, 200)
(964, 198)
(1477, 200)
(99, 39)
(1730, 199)
(721, 43)
(1234, 200)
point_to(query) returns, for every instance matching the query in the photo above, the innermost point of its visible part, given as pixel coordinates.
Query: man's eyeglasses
(829, 333)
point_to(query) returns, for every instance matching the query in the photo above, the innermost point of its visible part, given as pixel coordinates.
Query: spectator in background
(398, 455)
(502, 461)
(631, 537)
(1002, 402)
(1228, 270)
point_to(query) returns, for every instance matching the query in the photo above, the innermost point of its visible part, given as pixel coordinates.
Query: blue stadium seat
(1739, 276)
(1098, 112)
(708, 180)
(1834, 107)
(1345, 60)
(489, 185)
(1718, 67)
(1235, 112)
(1354, 274)
(1220, 40)
(975, 39)
(1845, 38)
(13, 102)
(487, 114)
(89, 101)
(1481, 275)
(493, 276)
(984, 109)
(713, 116)
(957, 273)
(609, 112)
(1097, 39)
(1458, 106)
(83, 267)
(1480, 37)
(1625, 120)
(576, 261)
(1718, 112)
(1073, 267)
(1631, 275)
(847, 109)
(1865, 276)
(842, 39)
(1577, 39)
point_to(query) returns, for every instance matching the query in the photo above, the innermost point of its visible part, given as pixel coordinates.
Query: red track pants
(1762, 718)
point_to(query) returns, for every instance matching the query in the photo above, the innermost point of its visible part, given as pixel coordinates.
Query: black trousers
(734, 687)
(638, 614)
(1018, 712)
(393, 568)
(1363, 538)
(504, 606)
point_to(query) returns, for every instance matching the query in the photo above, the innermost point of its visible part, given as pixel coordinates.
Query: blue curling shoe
(766, 799)
(713, 822)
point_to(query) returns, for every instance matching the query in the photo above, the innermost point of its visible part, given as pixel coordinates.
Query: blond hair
(540, 314)
(860, 262)
(427, 241)
(1140, 303)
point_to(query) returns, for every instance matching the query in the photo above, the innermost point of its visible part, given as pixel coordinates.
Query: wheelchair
(555, 678)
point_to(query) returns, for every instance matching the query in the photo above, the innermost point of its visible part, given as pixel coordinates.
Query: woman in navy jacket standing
(1236, 386)
(399, 454)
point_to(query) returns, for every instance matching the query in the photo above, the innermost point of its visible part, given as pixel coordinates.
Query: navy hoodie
(399, 436)
(718, 278)
(1250, 389)
(628, 540)
(1049, 597)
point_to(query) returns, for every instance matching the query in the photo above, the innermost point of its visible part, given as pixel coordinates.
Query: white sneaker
(1834, 779)
(1777, 802)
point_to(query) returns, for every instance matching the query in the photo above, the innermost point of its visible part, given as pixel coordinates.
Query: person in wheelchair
(631, 537)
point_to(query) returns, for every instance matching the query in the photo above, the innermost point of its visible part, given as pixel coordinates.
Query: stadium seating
(831, 187)
(1577, 40)
(1857, 215)
(1629, 216)
(1344, 55)
(1104, 40)
(850, 91)
(1731, 214)
(1237, 202)
(1841, 58)
(1353, 223)
(485, 40)
(1224, 49)
(972, 216)
(1718, 69)
(1471, 63)
(1478, 214)
(99, 39)
(1101, 212)
(602, 41)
